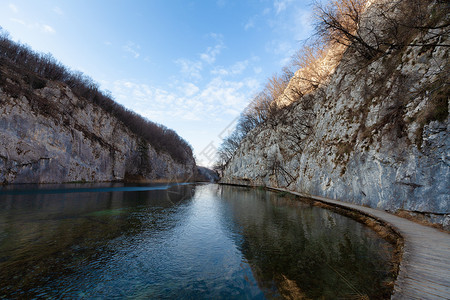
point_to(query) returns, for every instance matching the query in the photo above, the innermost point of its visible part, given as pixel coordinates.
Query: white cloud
(58, 10)
(303, 24)
(282, 49)
(13, 8)
(189, 89)
(226, 94)
(184, 104)
(47, 28)
(281, 5)
(293, 23)
(209, 56)
(22, 22)
(257, 70)
(236, 69)
(132, 48)
(188, 101)
(190, 68)
(221, 3)
(250, 24)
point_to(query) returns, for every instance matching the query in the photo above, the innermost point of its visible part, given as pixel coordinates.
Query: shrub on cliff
(341, 25)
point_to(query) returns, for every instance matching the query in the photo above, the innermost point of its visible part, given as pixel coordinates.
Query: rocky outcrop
(375, 134)
(206, 175)
(49, 135)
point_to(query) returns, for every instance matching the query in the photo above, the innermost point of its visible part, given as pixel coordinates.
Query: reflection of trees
(323, 253)
(46, 237)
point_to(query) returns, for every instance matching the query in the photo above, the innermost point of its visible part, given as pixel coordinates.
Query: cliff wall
(376, 134)
(49, 135)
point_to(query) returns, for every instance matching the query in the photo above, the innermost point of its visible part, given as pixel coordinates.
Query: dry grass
(420, 219)
(289, 289)
(383, 229)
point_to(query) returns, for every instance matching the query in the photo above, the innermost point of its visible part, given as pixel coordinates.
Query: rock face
(206, 175)
(48, 135)
(375, 134)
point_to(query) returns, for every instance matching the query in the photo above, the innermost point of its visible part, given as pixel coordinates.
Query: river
(186, 241)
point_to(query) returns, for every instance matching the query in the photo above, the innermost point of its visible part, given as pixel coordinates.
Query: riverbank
(423, 252)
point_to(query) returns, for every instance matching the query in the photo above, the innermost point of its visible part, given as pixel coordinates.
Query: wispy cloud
(13, 8)
(22, 22)
(236, 69)
(57, 10)
(250, 24)
(188, 101)
(189, 68)
(282, 49)
(132, 49)
(303, 23)
(192, 69)
(221, 3)
(209, 56)
(293, 23)
(47, 28)
(189, 89)
(281, 5)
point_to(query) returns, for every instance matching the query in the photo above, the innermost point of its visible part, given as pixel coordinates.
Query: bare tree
(338, 22)
(386, 25)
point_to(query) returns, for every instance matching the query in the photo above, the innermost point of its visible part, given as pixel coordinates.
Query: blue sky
(189, 65)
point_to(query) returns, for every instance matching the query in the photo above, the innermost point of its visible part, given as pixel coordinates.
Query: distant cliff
(375, 133)
(49, 134)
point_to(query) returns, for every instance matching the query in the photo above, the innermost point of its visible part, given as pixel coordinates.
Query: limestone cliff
(376, 133)
(50, 135)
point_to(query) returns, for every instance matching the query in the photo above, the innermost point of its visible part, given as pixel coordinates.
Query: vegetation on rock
(36, 69)
(345, 26)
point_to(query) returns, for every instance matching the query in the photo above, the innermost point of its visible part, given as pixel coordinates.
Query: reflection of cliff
(46, 237)
(307, 250)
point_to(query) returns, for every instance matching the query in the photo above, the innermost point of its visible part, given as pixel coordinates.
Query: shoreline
(421, 253)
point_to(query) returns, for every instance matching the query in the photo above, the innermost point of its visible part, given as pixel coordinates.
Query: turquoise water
(182, 242)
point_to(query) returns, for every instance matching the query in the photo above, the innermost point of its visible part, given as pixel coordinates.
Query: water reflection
(307, 251)
(46, 235)
(181, 241)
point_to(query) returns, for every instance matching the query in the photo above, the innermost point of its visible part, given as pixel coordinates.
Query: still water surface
(182, 242)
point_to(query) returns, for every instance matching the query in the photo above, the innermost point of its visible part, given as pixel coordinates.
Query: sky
(192, 66)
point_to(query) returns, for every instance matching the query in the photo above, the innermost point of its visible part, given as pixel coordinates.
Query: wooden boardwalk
(425, 266)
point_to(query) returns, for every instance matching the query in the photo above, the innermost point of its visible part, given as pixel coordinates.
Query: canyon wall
(376, 133)
(49, 135)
